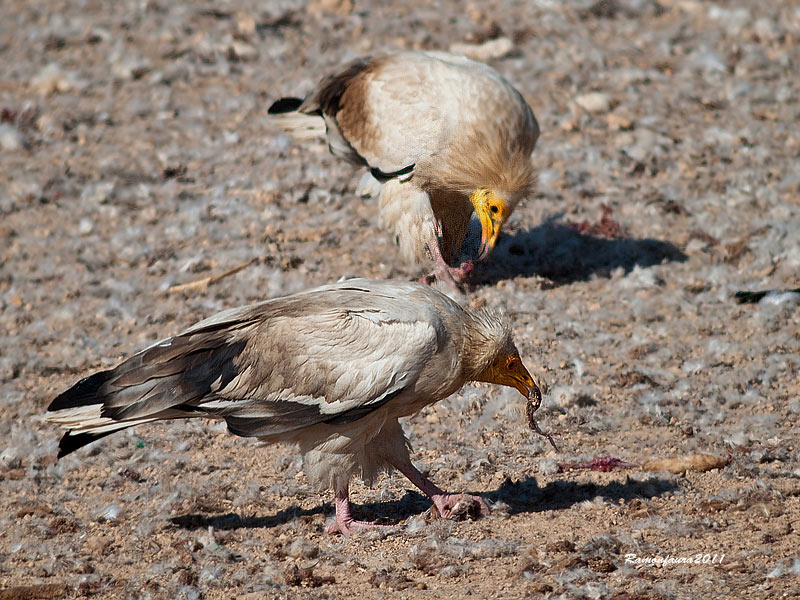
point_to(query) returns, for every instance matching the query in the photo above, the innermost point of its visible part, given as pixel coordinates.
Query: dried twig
(202, 284)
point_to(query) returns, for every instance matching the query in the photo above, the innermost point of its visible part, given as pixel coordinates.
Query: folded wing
(267, 369)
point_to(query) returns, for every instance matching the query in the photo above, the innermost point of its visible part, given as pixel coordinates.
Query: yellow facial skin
(493, 211)
(509, 370)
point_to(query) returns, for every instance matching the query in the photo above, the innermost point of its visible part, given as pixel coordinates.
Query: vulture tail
(81, 411)
(285, 105)
(80, 407)
(299, 125)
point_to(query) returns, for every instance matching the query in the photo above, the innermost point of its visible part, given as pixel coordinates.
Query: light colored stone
(496, 48)
(594, 102)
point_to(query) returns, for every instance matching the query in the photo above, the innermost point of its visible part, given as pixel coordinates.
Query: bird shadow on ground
(524, 496)
(564, 253)
(412, 503)
(235, 521)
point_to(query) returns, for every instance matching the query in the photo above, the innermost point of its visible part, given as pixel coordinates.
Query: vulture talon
(460, 506)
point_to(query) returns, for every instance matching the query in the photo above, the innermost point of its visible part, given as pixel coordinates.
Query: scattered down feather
(444, 135)
(331, 369)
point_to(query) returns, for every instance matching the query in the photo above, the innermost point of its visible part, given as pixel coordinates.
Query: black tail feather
(284, 105)
(74, 441)
(83, 393)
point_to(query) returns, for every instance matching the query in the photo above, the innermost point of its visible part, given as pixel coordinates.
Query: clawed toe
(462, 273)
(460, 506)
(450, 275)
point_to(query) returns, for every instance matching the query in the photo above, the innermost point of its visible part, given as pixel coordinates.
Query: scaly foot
(462, 273)
(344, 523)
(460, 506)
(450, 275)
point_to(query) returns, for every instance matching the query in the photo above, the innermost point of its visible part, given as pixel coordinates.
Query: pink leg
(462, 273)
(450, 506)
(444, 272)
(344, 523)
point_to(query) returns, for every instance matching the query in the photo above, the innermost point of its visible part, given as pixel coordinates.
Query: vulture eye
(494, 208)
(512, 364)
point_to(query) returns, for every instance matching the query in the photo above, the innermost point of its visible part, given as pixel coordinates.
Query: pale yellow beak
(522, 380)
(492, 212)
(511, 372)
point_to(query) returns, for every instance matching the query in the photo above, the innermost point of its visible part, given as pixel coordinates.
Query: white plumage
(445, 135)
(331, 369)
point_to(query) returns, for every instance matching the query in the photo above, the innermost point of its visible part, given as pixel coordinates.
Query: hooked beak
(513, 375)
(520, 379)
(492, 212)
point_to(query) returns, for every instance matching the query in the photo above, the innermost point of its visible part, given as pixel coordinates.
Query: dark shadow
(564, 255)
(523, 496)
(234, 521)
(412, 503)
(526, 496)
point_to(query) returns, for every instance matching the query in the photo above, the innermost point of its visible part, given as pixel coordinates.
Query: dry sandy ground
(135, 155)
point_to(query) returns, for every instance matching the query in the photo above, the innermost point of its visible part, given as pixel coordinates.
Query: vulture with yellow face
(331, 369)
(442, 135)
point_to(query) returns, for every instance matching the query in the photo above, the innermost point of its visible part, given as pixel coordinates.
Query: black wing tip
(284, 105)
(75, 441)
(83, 393)
(383, 176)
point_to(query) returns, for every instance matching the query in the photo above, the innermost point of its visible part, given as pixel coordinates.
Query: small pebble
(594, 102)
(10, 137)
(496, 48)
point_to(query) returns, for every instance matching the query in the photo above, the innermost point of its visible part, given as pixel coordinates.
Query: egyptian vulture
(331, 369)
(440, 134)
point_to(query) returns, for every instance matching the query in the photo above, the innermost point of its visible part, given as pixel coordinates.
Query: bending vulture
(440, 134)
(331, 369)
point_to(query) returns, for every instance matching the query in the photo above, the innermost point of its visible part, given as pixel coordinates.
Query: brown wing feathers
(328, 97)
(182, 380)
(83, 393)
(339, 100)
(184, 376)
(173, 377)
